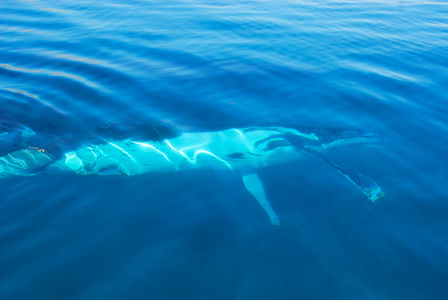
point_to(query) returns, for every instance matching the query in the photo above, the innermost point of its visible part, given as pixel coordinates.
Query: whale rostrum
(243, 150)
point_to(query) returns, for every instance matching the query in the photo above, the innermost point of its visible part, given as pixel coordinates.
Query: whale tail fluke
(25, 162)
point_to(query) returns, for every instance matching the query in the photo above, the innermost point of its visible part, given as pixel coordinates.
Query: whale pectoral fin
(255, 187)
(369, 188)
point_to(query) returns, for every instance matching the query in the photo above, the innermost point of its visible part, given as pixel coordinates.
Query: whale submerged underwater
(124, 149)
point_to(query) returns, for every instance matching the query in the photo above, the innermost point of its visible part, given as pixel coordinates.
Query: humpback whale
(138, 149)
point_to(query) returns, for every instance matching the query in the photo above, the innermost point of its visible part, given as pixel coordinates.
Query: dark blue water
(377, 65)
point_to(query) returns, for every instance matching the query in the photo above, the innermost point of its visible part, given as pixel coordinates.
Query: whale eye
(236, 155)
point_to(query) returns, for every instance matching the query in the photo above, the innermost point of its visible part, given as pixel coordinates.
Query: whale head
(278, 141)
(328, 138)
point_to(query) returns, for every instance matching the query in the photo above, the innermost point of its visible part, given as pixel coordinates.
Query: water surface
(377, 65)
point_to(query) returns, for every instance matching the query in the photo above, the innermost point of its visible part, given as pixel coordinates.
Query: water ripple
(376, 64)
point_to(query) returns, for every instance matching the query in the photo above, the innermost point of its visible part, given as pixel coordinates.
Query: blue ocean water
(376, 65)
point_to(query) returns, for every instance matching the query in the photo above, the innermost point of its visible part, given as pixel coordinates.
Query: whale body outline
(160, 149)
